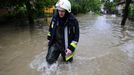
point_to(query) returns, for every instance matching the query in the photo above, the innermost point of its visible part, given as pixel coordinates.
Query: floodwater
(104, 49)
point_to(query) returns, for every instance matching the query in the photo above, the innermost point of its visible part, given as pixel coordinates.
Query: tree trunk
(30, 13)
(125, 13)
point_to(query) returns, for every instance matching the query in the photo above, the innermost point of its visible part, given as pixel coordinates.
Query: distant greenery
(78, 6)
(32, 8)
(84, 6)
(40, 4)
(131, 12)
(26, 8)
(109, 6)
(19, 9)
(20, 6)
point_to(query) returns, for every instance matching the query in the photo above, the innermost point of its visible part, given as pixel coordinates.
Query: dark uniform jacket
(73, 31)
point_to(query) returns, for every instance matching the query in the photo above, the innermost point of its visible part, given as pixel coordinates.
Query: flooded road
(103, 49)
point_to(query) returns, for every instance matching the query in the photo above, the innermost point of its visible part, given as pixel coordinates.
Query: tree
(109, 6)
(131, 12)
(84, 6)
(20, 3)
(95, 5)
(125, 15)
(32, 6)
(116, 1)
(30, 12)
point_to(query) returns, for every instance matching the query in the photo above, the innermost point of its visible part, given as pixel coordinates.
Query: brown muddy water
(104, 49)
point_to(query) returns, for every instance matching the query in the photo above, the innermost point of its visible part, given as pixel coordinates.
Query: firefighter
(63, 35)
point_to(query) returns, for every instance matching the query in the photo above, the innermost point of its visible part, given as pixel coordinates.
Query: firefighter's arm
(49, 35)
(73, 44)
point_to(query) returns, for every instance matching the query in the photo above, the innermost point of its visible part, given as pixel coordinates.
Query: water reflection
(102, 25)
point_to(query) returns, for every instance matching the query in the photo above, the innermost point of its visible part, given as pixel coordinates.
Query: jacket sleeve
(73, 44)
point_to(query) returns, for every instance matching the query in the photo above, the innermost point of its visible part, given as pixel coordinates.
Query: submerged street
(103, 49)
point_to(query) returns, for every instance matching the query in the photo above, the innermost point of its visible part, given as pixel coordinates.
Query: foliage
(109, 6)
(95, 5)
(84, 6)
(131, 11)
(20, 6)
(40, 4)
(116, 1)
(76, 8)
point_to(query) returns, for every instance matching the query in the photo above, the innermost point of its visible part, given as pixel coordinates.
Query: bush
(109, 7)
(76, 8)
(131, 12)
(84, 6)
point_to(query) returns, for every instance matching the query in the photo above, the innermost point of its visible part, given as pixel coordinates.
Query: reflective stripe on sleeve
(52, 25)
(74, 44)
(49, 34)
(67, 58)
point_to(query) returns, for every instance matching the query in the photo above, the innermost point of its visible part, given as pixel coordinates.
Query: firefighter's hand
(68, 52)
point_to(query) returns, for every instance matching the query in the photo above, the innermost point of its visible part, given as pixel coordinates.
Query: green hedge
(84, 6)
(131, 12)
